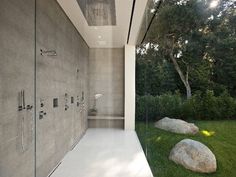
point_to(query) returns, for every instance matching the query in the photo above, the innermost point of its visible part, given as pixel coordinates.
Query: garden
(159, 144)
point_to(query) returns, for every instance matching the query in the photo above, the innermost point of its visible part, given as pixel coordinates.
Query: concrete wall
(106, 76)
(66, 73)
(62, 76)
(16, 73)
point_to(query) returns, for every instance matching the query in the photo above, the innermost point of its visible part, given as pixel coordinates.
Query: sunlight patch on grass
(207, 133)
(158, 139)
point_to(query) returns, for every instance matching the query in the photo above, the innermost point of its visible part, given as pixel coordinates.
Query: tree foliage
(189, 47)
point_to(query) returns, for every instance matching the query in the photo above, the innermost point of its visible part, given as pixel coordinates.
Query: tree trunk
(183, 78)
(188, 90)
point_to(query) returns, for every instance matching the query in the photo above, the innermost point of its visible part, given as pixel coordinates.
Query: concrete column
(129, 87)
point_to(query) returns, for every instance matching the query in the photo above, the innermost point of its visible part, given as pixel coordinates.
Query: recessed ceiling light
(99, 37)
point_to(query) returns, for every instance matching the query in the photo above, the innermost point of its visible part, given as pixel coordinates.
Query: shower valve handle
(29, 107)
(42, 114)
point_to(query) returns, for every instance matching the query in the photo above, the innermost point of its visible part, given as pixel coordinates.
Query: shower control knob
(20, 108)
(29, 107)
(41, 114)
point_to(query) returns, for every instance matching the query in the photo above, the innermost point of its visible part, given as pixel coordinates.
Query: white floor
(105, 153)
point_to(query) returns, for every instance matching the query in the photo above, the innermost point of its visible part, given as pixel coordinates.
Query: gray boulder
(177, 126)
(194, 156)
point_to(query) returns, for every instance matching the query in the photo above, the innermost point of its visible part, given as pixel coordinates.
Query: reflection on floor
(105, 153)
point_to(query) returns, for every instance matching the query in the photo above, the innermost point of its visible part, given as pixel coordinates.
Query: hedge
(201, 106)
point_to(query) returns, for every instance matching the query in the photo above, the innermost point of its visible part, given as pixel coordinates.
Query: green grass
(159, 144)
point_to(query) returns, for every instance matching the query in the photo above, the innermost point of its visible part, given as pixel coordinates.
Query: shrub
(169, 105)
(201, 106)
(191, 108)
(140, 107)
(155, 107)
(227, 106)
(210, 106)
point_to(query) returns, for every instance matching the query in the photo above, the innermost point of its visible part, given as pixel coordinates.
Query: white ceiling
(107, 36)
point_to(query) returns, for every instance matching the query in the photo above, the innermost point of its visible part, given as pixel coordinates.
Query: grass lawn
(159, 144)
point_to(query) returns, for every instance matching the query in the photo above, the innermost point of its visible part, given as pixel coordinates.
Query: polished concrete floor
(105, 153)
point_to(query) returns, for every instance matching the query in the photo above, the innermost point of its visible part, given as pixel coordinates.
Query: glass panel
(17, 55)
(185, 68)
(150, 11)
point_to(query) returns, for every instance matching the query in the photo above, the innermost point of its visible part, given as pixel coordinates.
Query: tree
(198, 40)
(175, 29)
(223, 45)
(155, 75)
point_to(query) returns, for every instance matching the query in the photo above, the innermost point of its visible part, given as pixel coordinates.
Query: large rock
(177, 126)
(194, 156)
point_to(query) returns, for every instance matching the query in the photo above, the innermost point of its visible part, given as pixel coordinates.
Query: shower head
(48, 52)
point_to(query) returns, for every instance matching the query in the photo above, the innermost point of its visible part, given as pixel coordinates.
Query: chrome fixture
(21, 102)
(55, 102)
(78, 101)
(77, 73)
(66, 102)
(93, 111)
(42, 114)
(82, 96)
(41, 102)
(48, 52)
(66, 107)
(29, 107)
(96, 97)
(25, 121)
